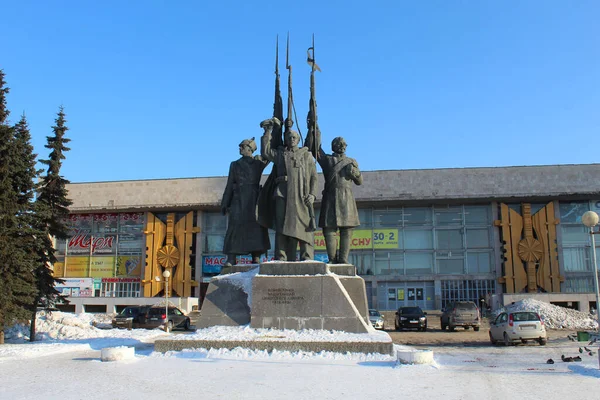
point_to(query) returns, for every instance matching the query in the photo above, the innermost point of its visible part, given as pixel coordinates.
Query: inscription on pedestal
(282, 296)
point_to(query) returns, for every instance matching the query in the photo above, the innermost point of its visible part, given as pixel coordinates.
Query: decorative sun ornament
(530, 249)
(168, 256)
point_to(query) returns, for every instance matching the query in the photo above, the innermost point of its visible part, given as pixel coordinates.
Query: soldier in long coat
(244, 234)
(294, 194)
(338, 206)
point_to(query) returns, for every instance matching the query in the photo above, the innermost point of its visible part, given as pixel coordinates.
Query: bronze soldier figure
(244, 234)
(294, 193)
(338, 206)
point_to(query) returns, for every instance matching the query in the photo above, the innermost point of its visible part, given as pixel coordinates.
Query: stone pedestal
(307, 295)
(226, 301)
(289, 295)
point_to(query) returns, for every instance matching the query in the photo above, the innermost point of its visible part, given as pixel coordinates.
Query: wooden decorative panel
(169, 247)
(530, 250)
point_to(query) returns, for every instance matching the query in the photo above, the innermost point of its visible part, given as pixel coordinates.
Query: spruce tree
(16, 258)
(53, 191)
(35, 223)
(51, 210)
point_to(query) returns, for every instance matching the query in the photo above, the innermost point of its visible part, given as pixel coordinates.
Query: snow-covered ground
(66, 364)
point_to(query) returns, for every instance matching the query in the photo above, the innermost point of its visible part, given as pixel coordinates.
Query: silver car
(518, 326)
(376, 319)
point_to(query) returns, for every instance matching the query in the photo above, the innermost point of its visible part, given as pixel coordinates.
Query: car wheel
(506, 340)
(467, 328)
(476, 328)
(543, 342)
(186, 325)
(492, 339)
(424, 329)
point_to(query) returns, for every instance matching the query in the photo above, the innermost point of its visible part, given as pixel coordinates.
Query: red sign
(120, 280)
(81, 242)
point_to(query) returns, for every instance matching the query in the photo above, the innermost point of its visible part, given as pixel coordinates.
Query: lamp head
(589, 219)
(167, 274)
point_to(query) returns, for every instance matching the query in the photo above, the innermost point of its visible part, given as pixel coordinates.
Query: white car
(376, 319)
(518, 326)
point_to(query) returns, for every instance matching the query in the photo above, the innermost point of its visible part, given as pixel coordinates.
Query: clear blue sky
(167, 89)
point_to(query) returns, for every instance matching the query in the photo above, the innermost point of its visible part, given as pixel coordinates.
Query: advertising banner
(212, 264)
(101, 267)
(83, 287)
(365, 239)
(129, 266)
(77, 267)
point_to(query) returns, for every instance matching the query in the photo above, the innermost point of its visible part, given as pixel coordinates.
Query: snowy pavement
(66, 364)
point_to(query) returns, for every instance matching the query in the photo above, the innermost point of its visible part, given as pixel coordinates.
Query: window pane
(453, 266)
(479, 263)
(575, 259)
(388, 217)
(419, 263)
(449, 239)
(579, 285)
(381, 262)
(448, 216)
(477, 215)
(215, 222)
(396, 264)
(478, 238)
(571, 212)
(575, 234)
(417, 216)
(214, 243)
(418, 239)
(365, 216)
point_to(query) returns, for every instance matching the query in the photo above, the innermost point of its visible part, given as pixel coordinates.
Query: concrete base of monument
(307, 295)
(288, 295)
(270, 340)
(285, 306)
(227, 299)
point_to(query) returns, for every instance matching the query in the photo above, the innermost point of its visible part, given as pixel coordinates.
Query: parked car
(376, 319)
(129, 317)
(155, 317)
(460, 313)
(411, 318)
(519, 326)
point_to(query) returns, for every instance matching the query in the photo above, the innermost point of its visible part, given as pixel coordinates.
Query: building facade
(427, 237)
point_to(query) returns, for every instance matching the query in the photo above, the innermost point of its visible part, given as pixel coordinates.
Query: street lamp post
(166, 275)
(590, 219)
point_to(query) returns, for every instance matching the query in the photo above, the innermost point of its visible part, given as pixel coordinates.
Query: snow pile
(58, 325)
(246, 333)
(554, 317)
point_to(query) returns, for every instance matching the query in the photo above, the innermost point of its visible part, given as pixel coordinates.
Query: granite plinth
(320, 301)
(225, 303)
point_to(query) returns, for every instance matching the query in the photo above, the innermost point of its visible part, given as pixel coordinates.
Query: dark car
(129, 317)
(155, 317)
(460, 313)
(411, 318)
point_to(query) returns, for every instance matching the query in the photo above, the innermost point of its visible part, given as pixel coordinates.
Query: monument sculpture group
(295, 291)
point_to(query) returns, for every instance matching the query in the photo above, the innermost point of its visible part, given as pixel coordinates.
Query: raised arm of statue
(309, 142)
(266, 151)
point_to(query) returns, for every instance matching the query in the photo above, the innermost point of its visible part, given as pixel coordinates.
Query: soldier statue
(244, 234)
(294, 193)
(338, 206)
